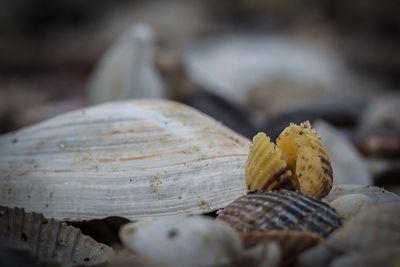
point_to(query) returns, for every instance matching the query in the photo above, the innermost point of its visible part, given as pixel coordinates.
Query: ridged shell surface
(265, 169)
(280, 210)
(377, 195)
(48, 239)
(307, 159)
(131, 159)
(376, 227)
(348, 206)
(298, 161)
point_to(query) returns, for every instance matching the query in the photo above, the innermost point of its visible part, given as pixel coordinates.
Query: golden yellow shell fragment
(265, 168)
(298, 161)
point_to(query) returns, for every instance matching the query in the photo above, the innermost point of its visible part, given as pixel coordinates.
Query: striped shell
(307, 159)
(133, 159)
(48, 239)
(299, 161)
(280, 210)
(265, 169)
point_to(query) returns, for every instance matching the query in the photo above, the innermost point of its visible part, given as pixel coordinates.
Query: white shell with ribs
(135, 159)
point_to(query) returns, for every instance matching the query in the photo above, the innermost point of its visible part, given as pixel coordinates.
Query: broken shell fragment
(183, 241)
(265, 169)
(134, 159)
(280, 210)
(307, 159)
(299, 161)
(48, 239)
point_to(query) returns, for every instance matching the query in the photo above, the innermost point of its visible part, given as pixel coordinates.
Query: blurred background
(254, 65)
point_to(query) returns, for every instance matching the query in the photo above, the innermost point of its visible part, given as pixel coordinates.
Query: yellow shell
(299, 157)
(265, 168)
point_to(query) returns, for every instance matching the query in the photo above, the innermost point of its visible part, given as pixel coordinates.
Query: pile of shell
(163, 165)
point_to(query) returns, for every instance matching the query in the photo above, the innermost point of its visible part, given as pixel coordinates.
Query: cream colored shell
(131, 159)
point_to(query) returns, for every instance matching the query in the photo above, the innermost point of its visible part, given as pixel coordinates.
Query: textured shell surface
(48, 239)
(183, 241)
(376, 194)
(376, 227)
(265, 168)
(349, 205)
(280, 210)
(298, 161)
(132, 159)
(307, 159)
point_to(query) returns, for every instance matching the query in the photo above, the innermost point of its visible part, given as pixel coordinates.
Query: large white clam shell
(134, 159)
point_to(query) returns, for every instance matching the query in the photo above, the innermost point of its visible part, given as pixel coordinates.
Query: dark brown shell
(48, 239)
(292, 243)
(280, 210)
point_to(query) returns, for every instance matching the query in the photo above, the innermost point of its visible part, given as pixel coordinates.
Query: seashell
(347, 162)
(372, 229)
(376, 194)
(299, 161)
(48, 239)
(134, 159)
(349, 205)
(280, 210)
(230, 66)
(183, 241)
(307, 159)
(265, 168)
(292, 243)
(126, 70)
(389, 256)
(376, 227)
